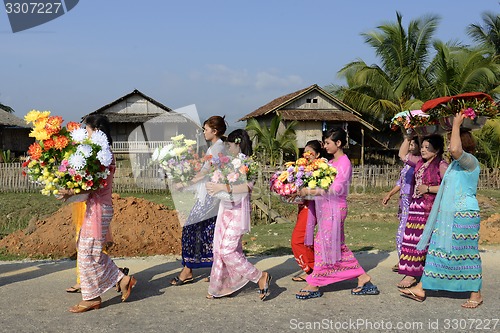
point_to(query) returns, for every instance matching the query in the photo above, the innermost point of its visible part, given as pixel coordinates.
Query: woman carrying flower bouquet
(404, 186)
(231, 271)
(198, 231)
(304, 254)
(333, 261)
(98, 273)
(429, 171)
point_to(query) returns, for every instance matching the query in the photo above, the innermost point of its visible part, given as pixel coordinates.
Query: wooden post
(362, 146)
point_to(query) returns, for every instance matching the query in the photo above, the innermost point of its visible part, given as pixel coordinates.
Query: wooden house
(316, 111)
(139, 124)
(14, 134)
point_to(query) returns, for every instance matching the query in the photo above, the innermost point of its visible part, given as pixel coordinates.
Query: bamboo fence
(148, 178)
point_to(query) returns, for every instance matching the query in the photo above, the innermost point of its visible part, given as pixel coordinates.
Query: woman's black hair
(315, 145)
(437, 143)
(337, 134)
(241, 137)
(100, 122)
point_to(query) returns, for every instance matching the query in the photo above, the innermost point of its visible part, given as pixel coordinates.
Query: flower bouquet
(179, 160)
(415, 120)
(232, 171)
(305, 172)
(65, 157)
(476, 106)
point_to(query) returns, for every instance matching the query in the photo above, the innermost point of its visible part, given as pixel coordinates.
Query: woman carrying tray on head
(429, 171)
(404, 186)
(453, 262)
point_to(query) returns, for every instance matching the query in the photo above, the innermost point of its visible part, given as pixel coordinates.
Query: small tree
(271, 143)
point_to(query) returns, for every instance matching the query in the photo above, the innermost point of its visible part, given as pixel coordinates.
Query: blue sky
(226, 57)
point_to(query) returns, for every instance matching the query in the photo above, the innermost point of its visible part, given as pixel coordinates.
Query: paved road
(32, 299)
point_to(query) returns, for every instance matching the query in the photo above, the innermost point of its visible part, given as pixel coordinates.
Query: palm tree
(488, 139)
(398, 83)
(271, 143)
(487, 35)
(457, 69)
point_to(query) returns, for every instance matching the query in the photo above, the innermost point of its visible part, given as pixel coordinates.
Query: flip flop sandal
(366, 289)
(310, 294)
(473, 304)
(264, 293)
(414, 283)
(176, 281)
(73, 290)
(411, 295)
(298, 279)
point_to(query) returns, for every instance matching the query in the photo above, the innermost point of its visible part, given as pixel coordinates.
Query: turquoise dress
(453, 262)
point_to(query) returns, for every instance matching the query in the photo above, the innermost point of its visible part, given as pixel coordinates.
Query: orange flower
(48, 144)
(60, 142)
(302, 161)
(53, 124)
(243, 169)
(35, 151)
(72, 126)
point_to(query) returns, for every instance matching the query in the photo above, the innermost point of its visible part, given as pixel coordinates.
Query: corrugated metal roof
(142, 118)
(317, 115)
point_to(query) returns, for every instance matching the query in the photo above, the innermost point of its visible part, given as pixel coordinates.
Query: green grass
(17, 209)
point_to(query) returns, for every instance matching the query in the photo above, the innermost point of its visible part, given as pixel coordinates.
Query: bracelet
(428, 189)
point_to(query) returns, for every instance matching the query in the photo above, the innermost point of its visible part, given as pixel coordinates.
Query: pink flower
(64, 166)
(233, 177)
(216, 176)
(469, 113)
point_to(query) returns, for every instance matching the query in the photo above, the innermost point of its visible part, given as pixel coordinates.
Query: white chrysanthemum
(79, 134)
(155, 155)
(189, 143)
(85, 150)
(105, 157)
(165, 152)
(236, 163)
(77, 161)
(99, 138)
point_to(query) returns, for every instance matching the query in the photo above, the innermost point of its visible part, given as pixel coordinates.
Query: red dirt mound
(139, 228)
(490, 230)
